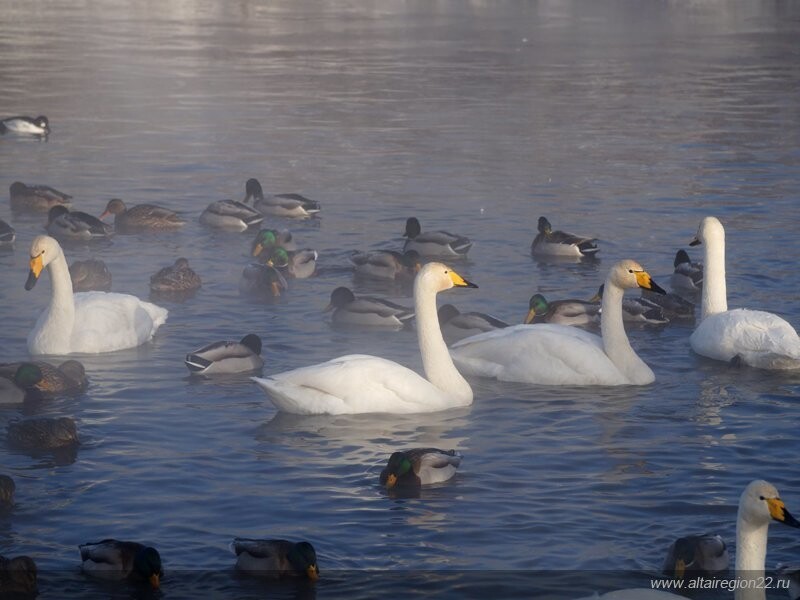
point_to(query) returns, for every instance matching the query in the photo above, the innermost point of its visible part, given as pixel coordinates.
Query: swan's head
(439, 277)
(710, 230)
(628, 274)
(44, 250)
(760, 503)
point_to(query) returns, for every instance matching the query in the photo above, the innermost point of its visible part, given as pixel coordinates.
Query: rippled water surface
(624, 120)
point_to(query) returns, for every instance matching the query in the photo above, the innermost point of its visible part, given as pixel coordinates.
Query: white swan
(368, 384)
(553, 354)
(89, 322)
(756, 338)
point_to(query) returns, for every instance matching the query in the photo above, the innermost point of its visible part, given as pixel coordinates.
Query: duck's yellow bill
(530, 316)
(155, 581)
(391, 481)
(312, 572)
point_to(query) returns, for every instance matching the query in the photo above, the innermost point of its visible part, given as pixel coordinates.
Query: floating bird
(230, 214)
(17, 382)
(369, 384)
(42, 433)
(141, 216)
(280, 205)
(227, 357)
(38, 126)
(36, 198)
(637, 310)
(64, 224)
(269, 238)
(90, 275)
(434, 244)
(300, 264)
(176, 279)
(114, 560)
(89, 322)
(386, 264)
(366, 311)
(68, 378)
(262, 281)
(688, 275)
(7, 489)
(276, 558)
(673, 305)
(457, 325)
(419, 466)
(792, 574)
(18, 577)
(7, 234)
(559, 243)
(696, 555)
(562, 312)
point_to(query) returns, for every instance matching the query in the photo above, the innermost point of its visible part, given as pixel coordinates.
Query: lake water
(625, 120)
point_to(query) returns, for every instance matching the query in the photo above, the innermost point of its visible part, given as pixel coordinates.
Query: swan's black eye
(630, 270)
(761, 498)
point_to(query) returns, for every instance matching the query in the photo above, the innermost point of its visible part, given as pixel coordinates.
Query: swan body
(116, 561)
(230, 214)
(279, 205)
(177, 278)
(386, 264)
(562, 312)
(559, 243)
(688, 275)
(553, 354)
(141, 217)
(370, 384)
(39, 126)
(434, 244)
(37, 198)
(89, 322)
(457, 325)
(7, 234)
(90, 275)
(419, 466)
(65, 224)
(366, 311)
(757, 338)
(276, 558)
(227, 357)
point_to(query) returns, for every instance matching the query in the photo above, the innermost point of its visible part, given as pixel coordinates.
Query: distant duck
(280, 205)
(141, 216)
(230, 214)
(227, 357)
(300, 264)
(637, 310)
(434, 244)
(562, 312)
(116, 561)
(90, 275)
(64, 224)
(673, 305)
(419, 466)
(42, 433)
(695, 556)
(386, 264)
(176, 279)
(559, 243)
(262, 281)
(366, 311)
(457, 325)
(36, 198)
(7, 489)
(68, 378)
(276, 558)
(7, 234)
(39, 126)
(18, 577)
(266, 239)
(688, 275)
(17, 382)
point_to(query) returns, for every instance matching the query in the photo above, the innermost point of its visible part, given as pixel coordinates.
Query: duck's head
(252, 341)
(265, 238)
(447, 312)
(115, 206)
(536, 306)
(303, 559)
(147, 564)
(413, 228)
(181, 264)
(598, 297)
(628, 274)
(760, 503)
(44, 250)
(681, 257)
(278, 257)
(440, 277)
(411, 260)
(341, 296)
(55, 212)
(399, 471)
(544, 226)
(28, 374)
(74, 370)
(252, 189)
(43, 122)
(17, 188)
(710, 229)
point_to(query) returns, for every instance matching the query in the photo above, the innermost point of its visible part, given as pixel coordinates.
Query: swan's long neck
(751, 556)
(439, 367)
(615, 340)
(715, 294)
(61, 312)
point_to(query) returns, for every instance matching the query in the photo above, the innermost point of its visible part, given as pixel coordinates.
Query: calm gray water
(624, 120)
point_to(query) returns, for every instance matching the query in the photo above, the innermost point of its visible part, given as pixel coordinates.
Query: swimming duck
(18, 577)
(7, 489)
(457, 325)
(419, 466)
(269, 238)
(696, 555)
(89, 322)
(281, 205)
(42, 433)
(90, 275)
(756, 338)
(673, 305)
(17, 382)
(141, 216)
(68, 378)
(25, 125)
(434, 244)
(276, 558)
(262, 280)
(357, 383)
(792, 574)
(64, 224)
(562, 312)
(227, 357)
(7, 234)
(551, 354)
(301, 264)
(637, 310)
(366, 310)
(114, 560)
(230, 214)
(386, 264)
(37, 198)
(688, 275)
(177, 278)
(559, 243)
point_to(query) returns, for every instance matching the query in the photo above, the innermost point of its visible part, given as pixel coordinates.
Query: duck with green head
(269, 238)
(117, 561)
(276, 558)
(413, 468)
(563, 312)
(67, 378)
(300, 264)
(20, 384)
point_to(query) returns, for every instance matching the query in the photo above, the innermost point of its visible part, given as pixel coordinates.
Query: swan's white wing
(106, 321)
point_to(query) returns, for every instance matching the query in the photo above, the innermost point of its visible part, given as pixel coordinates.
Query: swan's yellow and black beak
(459, 281)
(777, 511)
(645, 281)
(36, 269)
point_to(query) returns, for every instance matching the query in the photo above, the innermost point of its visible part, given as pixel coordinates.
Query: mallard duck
(7, 234)
(227, 357)
(550, 354)
(637, 310)
(89, 322)
(673, 305)
(7, 489)
(37, 198)
(791, 573)
(38, 126)
(688, 275)
(366, 310)
(67, 378)
(177, 278)
(559, 243)
(114, 560)
(419, 466)
(90, 275)
(18, 577)
(276, 558)
(269, 238)
(281, 205)
(17, 382)
(141, 216)
(386, 264)
(262, 280)
(301, 264)
(752, 337)
(562, 312)
(696, 555)
(457, 325)
(357, 383)
(42, 433)
(230, 214)
(434, 244)
(65, 224)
